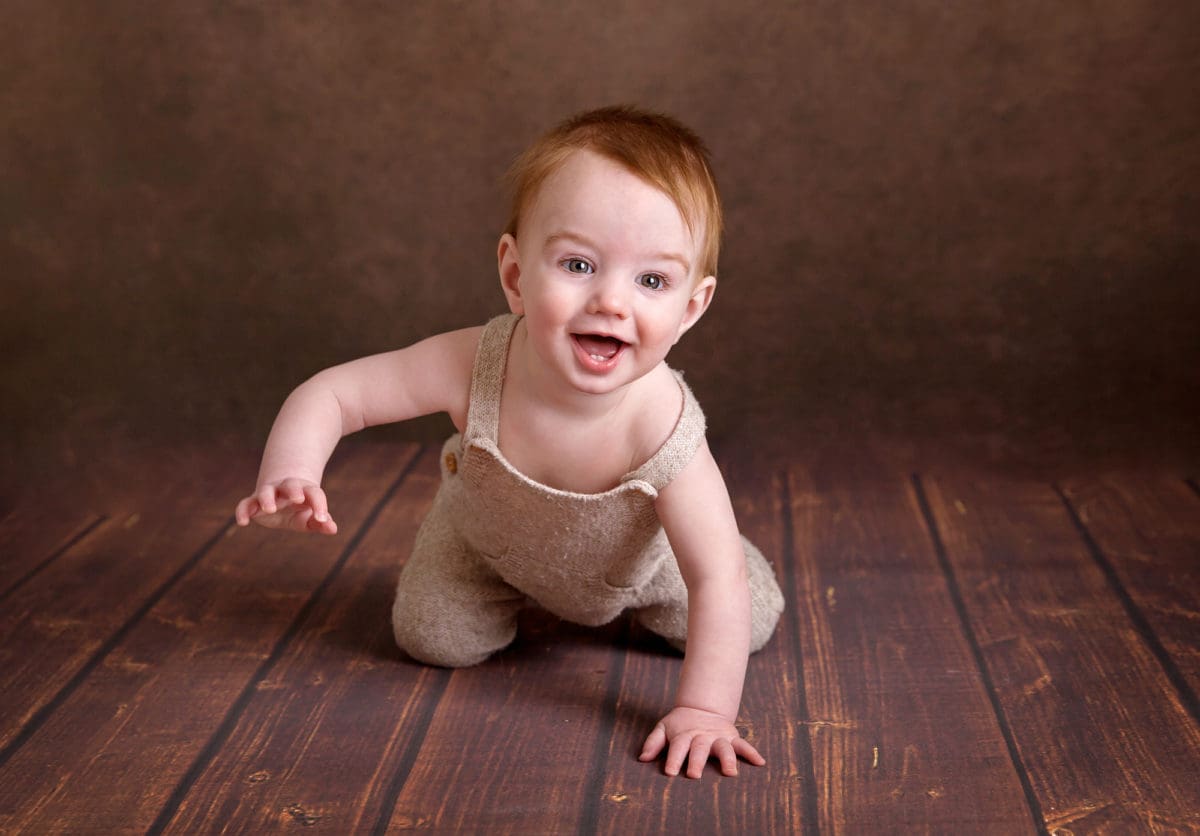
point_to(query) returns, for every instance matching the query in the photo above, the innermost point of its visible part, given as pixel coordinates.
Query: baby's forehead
(602, 176)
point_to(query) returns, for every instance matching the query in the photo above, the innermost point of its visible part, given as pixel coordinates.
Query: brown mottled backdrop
(970, 224)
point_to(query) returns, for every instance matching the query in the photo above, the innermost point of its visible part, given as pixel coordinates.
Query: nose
(609, 297)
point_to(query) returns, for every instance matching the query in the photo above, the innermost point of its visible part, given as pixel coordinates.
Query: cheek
(666, 321)
(556, 300)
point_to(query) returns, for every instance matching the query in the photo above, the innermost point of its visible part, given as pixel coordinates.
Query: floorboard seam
(55, 555)
(589, 814)
(64, 693)
(225, 729)
(1186, 695)
(960, 607)
(411, 749)
(812, 812)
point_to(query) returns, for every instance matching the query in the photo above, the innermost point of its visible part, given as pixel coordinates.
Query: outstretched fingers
(696, 749)
(296, 504)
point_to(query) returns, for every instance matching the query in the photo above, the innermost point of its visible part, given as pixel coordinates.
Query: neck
(538, 385)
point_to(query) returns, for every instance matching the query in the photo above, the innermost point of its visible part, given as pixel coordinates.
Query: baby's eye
(652, 281)
(576, 265)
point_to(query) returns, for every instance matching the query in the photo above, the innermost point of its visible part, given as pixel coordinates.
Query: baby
(579, 480)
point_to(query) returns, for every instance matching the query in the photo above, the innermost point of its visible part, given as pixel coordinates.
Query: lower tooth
(597, 358)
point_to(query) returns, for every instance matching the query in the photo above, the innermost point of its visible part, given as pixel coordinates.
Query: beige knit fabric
(496, 541)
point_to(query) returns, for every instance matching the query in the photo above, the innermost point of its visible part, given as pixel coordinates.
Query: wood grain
(110, 756)
(333, 722)
(960, 652)
(1146, 529)
(1099, 728)
(32, 538)
(52, 627)
(509, 748)
(903, 733)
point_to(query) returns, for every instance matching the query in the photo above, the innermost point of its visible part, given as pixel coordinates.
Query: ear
(697, 304)
(508, 262)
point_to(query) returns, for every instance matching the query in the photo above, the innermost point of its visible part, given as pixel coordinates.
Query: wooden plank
(33, 537)
(341, 714)
(52, 626)
(110, 756)
(509, 747)
(904, 735)
(55, 513)
(1099, 728)
(868, 704)
(1146, 530)
(513, 736)
(637, 797)
(73, 600)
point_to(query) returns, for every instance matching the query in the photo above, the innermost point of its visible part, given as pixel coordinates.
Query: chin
(595, 386)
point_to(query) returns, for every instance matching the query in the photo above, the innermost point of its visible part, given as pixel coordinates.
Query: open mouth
(601, 350)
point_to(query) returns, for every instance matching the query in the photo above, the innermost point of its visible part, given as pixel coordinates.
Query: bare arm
(697, 515)
(433, 375)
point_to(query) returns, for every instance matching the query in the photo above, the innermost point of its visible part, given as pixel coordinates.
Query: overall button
(451, 463)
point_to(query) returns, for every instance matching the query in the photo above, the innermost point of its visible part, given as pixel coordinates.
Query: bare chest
(588, 459)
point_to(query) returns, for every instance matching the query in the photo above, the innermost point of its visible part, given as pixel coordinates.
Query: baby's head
(653, 147)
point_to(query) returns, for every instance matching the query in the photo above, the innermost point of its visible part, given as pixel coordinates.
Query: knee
(424, 632)
(764, 618)
(438, 623)
(430, 646)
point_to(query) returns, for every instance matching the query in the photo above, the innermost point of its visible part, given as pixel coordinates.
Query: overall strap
(678, 450)
(487, 378)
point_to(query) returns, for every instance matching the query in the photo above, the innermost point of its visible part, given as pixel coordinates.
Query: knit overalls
(496, 541)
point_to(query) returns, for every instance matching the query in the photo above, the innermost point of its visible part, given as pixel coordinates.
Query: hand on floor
(695, 735)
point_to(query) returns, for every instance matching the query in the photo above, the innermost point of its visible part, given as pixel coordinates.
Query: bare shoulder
(457, 348)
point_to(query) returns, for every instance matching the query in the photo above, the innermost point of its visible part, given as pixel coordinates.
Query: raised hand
(293, 504)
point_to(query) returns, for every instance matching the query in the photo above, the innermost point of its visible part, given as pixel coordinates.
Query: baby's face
(605, 271)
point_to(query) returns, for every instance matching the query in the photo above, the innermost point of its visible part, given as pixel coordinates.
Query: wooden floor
(962, 652)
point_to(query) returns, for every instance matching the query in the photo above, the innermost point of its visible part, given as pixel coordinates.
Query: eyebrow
(567, 235)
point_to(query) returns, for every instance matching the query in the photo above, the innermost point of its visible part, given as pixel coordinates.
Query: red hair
(657, 148)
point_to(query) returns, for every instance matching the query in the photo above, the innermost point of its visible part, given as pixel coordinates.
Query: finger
(677, 752)
(747, 751)
(266, 499)
(317, 526)
(246, 509)
(697, 757)
(654, 743)
(723, 751)
(315, 497)
(294, 491)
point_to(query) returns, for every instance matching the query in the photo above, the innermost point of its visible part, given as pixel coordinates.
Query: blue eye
(576, 265)
(652, 281)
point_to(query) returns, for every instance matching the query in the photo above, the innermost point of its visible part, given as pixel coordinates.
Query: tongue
(605, 347)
